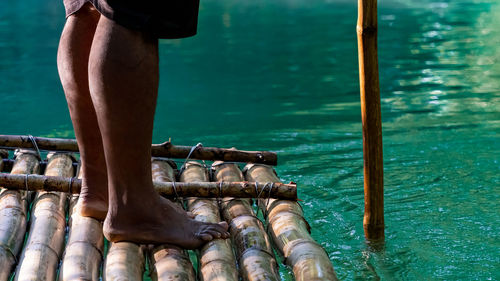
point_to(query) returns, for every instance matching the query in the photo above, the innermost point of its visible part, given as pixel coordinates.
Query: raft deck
(43, 237)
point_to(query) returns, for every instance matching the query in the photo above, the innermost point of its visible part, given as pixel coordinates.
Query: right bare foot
(161, 223)
(177, 207)
(97, 208)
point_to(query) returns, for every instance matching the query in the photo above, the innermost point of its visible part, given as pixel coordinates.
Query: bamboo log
(182, 189)
(253, 248)
(169, 262)
(216, 258)
(84, 249)
(124, 261)
(166, 149)
(26, 160)
(13, 216)
(41, 255)
(373, 221)
(290, 232)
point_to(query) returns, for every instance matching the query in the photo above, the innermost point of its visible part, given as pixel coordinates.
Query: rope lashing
(189, 155)
(26, 182)
(219, 197)
(33, 141)
(177, 198)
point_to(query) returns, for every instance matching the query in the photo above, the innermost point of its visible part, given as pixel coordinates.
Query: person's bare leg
(123, 69)
(72, 62)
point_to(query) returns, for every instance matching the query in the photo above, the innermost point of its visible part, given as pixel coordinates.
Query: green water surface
(282, 75)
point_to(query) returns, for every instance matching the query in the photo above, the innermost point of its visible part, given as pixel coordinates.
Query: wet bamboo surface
(84, 249)
(290, 232)
(169, 262)
(44, 246)
(248, 255)
(216, 258)
(253, 248)
(13, 215)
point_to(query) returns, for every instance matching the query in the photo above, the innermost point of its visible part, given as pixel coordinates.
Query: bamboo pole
(373, 221)
(26, 160)
(216, 258)
(253, 248)
(13, 216)
(41, 255)
(84, 250)
(124, 261)
(290, 232)
(166, 149)
(168, 189)
(169, 262)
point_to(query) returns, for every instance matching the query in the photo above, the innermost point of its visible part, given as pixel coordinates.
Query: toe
(224, 225)
(217, 231)
(206, 237)
(214, 234)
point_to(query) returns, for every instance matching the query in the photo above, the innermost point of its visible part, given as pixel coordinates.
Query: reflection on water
(282, 75)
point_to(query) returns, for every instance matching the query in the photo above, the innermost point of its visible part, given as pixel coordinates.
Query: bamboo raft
(43, 237)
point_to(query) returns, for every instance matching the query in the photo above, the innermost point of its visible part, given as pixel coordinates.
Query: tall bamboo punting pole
(41, 255)
(166, 149)
(13, 215)
(83, 254)
(216, 258)
(253, 248)
(169, 262)
(373, 221)
(290, 232)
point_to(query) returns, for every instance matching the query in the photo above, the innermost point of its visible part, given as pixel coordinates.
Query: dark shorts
(159, 18)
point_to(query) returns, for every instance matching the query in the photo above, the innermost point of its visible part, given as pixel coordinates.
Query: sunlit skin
(110, 77)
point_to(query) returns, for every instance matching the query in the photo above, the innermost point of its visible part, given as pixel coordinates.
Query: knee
(68, 81)
(87, 13)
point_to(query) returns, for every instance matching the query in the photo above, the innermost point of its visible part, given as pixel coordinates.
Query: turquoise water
(282, 76)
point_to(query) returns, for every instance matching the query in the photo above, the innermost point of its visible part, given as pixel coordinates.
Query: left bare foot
(92, 205)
